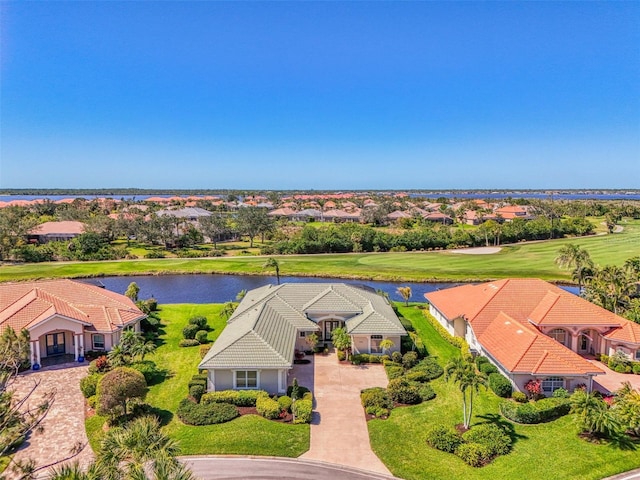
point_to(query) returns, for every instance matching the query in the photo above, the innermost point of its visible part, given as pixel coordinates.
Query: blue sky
(327, 95)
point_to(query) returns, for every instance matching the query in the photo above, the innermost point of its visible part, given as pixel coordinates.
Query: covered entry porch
(56, 337)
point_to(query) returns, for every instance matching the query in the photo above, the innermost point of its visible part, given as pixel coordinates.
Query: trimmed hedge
(365, 358)
(187, 342)
(302, 409)
(89, 384)
(490, 435)
(196, 392)
(202, 336)
(409, 360)
(394, 371)
(239, 398)
(488, 368)
(535, 412)
(200, 321)
(500, 385)
(443, 438)
(458, 342)
(189, 332)
(376, 397)
(474, 454)
(426, 392)
(285, 403)
(428, 367)
(147, 368)
(205, 413)
(268, 407)
(402, 391)
(301, 391)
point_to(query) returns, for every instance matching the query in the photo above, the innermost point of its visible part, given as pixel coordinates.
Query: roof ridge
(486, 303)
(16, 306)
(545, 354)
(556, 299)
(269, 346)
(43, 293)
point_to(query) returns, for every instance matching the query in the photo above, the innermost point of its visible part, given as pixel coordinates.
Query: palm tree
(577, 258)
(386, 345)
(405, 293)
(227, 310)
(273, 263)
(610, 287)
(241, 294)
(593, 415)
(75, 472)
(125, 452)
(463, 373)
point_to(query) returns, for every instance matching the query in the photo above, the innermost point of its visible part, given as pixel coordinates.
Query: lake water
(205, 288)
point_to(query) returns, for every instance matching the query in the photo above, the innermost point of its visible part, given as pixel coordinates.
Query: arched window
(559, 335)
(551, 384)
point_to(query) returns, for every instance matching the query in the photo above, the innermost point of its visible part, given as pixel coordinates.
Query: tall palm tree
(273, 263)
(462, 371)
(405, 293)
(227, 310)
(578, 259)
(593, 415)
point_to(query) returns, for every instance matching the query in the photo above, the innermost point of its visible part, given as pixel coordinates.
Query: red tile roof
(25, 305)
(59, 228)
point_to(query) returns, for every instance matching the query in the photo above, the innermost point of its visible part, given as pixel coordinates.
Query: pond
(212, 288)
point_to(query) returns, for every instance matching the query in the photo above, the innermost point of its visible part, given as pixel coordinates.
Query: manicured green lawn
(522, 260)
(546, 451)
(248, 435)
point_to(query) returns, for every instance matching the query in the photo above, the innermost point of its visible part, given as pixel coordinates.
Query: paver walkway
(339, 430)
(64, 424)
(612, 381)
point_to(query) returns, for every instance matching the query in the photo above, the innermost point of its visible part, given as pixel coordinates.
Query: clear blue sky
(325, 95)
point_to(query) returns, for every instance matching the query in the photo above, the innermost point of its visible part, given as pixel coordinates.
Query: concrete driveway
(339, 430)
(63, 427)
(612, 381)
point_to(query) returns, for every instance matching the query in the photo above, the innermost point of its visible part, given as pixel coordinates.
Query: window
(551, 384)
(375, 343)
(638, 354)
(246, 379)
(303, 334)
(559, 335)
(98, 341)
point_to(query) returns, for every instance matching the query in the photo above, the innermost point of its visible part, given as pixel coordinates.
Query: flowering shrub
(533, 387)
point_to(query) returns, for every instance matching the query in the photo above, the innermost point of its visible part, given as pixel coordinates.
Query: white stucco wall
(442, 319)
(223, 380)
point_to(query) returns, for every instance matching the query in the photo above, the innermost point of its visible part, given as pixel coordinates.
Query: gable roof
(262, 331)
(67, 227)
(25, 305)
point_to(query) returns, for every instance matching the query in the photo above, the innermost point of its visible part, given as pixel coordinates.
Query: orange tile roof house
(65, 317)
(56, 231)
(529, 328)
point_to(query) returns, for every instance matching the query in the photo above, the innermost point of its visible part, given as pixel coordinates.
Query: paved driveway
(612, 381)
(64, 424)
(339, 430)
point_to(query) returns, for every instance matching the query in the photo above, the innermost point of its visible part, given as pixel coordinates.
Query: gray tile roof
(262, 331)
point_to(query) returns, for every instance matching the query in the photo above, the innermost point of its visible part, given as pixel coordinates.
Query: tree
(117, 388)
(610, 287)
(139, 448)
(273, 263)
(611, 218)
(462, 371)
(386, 345)
(214, 227)
(252, 221)
(227, 310)
(341, 339)
(241, 294)
(627, 408)
(405, 293)
(132, 291)
(574, 257)
(593, 415)
(132, 347)
(312, 340)
(15, 223)
(76, 472)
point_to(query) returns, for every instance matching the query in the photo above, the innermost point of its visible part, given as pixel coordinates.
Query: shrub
(396, 357)
(189, 332)
(302, 409)
(301, 391)
(188, 342)
(240, 398)
(394, 371)
(89, 384)
(430, 367)
(99, 365)
(520, 397)
(401, 391)
(488, 368)
(480, 360)
(117, 387)
(201, 336)
(604, 358)
(196, 392)
(426, 392)
(200, 321)
(384, 359)
(408, 326)
(375, 397)
(492, 436)
(560, 393)
(92, 401)
(474, 454)
(533, 387)
(500, 385)
(308, 396)
(535, 412)
(268, 407)
(285, 403)
(204, 349)
(443, 438)
(341, 355)
(148, 369)
(458, 342)
(409, 360)
(636, 368)
(193, 413)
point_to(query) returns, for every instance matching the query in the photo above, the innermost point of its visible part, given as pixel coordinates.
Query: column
(38, 352)
(32, 356)
(81, 336)
(75, 346)
(574, 342)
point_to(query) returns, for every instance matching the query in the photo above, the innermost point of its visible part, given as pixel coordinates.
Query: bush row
(539, 411)
(500, 385)
(193, 413)
(240, 398)
(458, 342)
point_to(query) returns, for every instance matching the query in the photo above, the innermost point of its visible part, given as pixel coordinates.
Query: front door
(330, 326)
(55, 344)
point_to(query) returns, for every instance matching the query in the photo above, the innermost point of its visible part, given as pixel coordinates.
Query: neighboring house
(529, 328)
(509, 212)
(307, 215)
(66, 317)
(257, 347)
(56, 231)
(398, 215)
(190, 214)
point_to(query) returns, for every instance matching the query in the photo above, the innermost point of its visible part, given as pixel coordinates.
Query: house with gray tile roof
(257, 347)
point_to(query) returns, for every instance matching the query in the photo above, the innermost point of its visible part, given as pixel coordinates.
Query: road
(252, 468)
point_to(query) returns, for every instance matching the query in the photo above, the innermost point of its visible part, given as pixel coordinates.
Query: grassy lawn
(546, 451)
(521, 260)
(249, 435)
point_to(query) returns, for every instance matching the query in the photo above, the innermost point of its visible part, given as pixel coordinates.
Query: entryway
(55, 344)
(328, 326)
